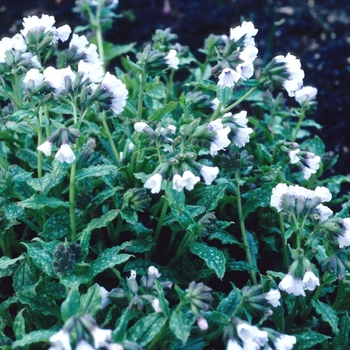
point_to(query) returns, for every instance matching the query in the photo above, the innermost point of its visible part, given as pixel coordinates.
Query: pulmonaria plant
(142, 206)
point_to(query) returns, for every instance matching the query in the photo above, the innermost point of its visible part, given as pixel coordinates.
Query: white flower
(209, 173)
(233, 345)
(55, 77)
(171, 129)
(118, 91)
(248, 55)
(292, 285)
(273, 297)
(8, 44)
(82, 46)
(310, 281)
(285, 342)
(215, 103)
(65, 154)
(215, 125)
(246, 29)
(251, 334)
(171, 59)
(35, 76)
(323, 193)
(239, 118)
(202, 323)
(92, 71)
(228, 77)
(45, 23)
(295, 74)
(189, 180)
(152, 270)
(114, 346)
(220, 141)
(178, 183)
(293, 156)
(277, 193)
(344, 238)
(323, 212)
(156, 305)
(139, 126)
(241, 136)
(308, 172)
(84, 345)
(305, 94)
(45, 148)
(154, 183)
(61, 340)
(100, 336)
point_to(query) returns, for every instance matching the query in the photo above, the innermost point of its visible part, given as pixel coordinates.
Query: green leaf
(343, 335)
(204, 84)
(112, 51)
(327, 313)
(40, 184)
(107, 259)
(146, 329)
(23, 278)
(225, 95)
(102, 221)
(33, 337)
(19, 325)
(97, 171)
(229, 304)
(176, 199)
(259, 197)
(57, 226)
(28, 156)
(13, 212)
(70, 307)
(41, 258)
(91, 301)
(213, 257)
(209, 196)
(159, 113)
(58, 173)
(43, 305)
(39, 201)
(308, 339)
(158, 92)
(181, 324)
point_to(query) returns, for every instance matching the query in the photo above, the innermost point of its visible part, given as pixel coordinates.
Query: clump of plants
(151, 199)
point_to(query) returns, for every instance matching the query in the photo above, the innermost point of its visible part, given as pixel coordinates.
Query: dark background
(317, 32)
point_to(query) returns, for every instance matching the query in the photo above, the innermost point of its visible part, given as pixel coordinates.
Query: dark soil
(317, 32)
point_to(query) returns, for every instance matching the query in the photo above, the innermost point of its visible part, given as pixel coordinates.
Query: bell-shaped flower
(246, 68)
(292, 285)
(310, 280)
(232, 344)
(202, 323)
(344, 238)
(118, 92)
(305, 94)
(228, 78)
(251, 335)
(61, 340)
(273, 297)
(285, 342)
(34, 75)
(293, 156)
(45, 148)
(246, 30)
(84, 50)
(100, 336)
(84, 345)
(171, 59)
(65, 154)
(154, 183)
(209, 173)
(294, 73)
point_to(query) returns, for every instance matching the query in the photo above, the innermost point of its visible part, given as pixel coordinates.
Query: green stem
(315, 297)
(290, 321)
(109, 137)
(243, 232)
(159, 225)
(72, 201)
(284, 245)
(249, 92)
(216, 113)
(300, 121)
(140, 98)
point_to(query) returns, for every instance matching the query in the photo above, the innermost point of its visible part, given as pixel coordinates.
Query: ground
(318, 32)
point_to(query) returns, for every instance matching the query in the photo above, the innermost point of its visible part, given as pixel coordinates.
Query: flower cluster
(300, 202)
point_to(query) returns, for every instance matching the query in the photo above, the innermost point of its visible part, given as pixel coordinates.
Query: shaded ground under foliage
(317, 32)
